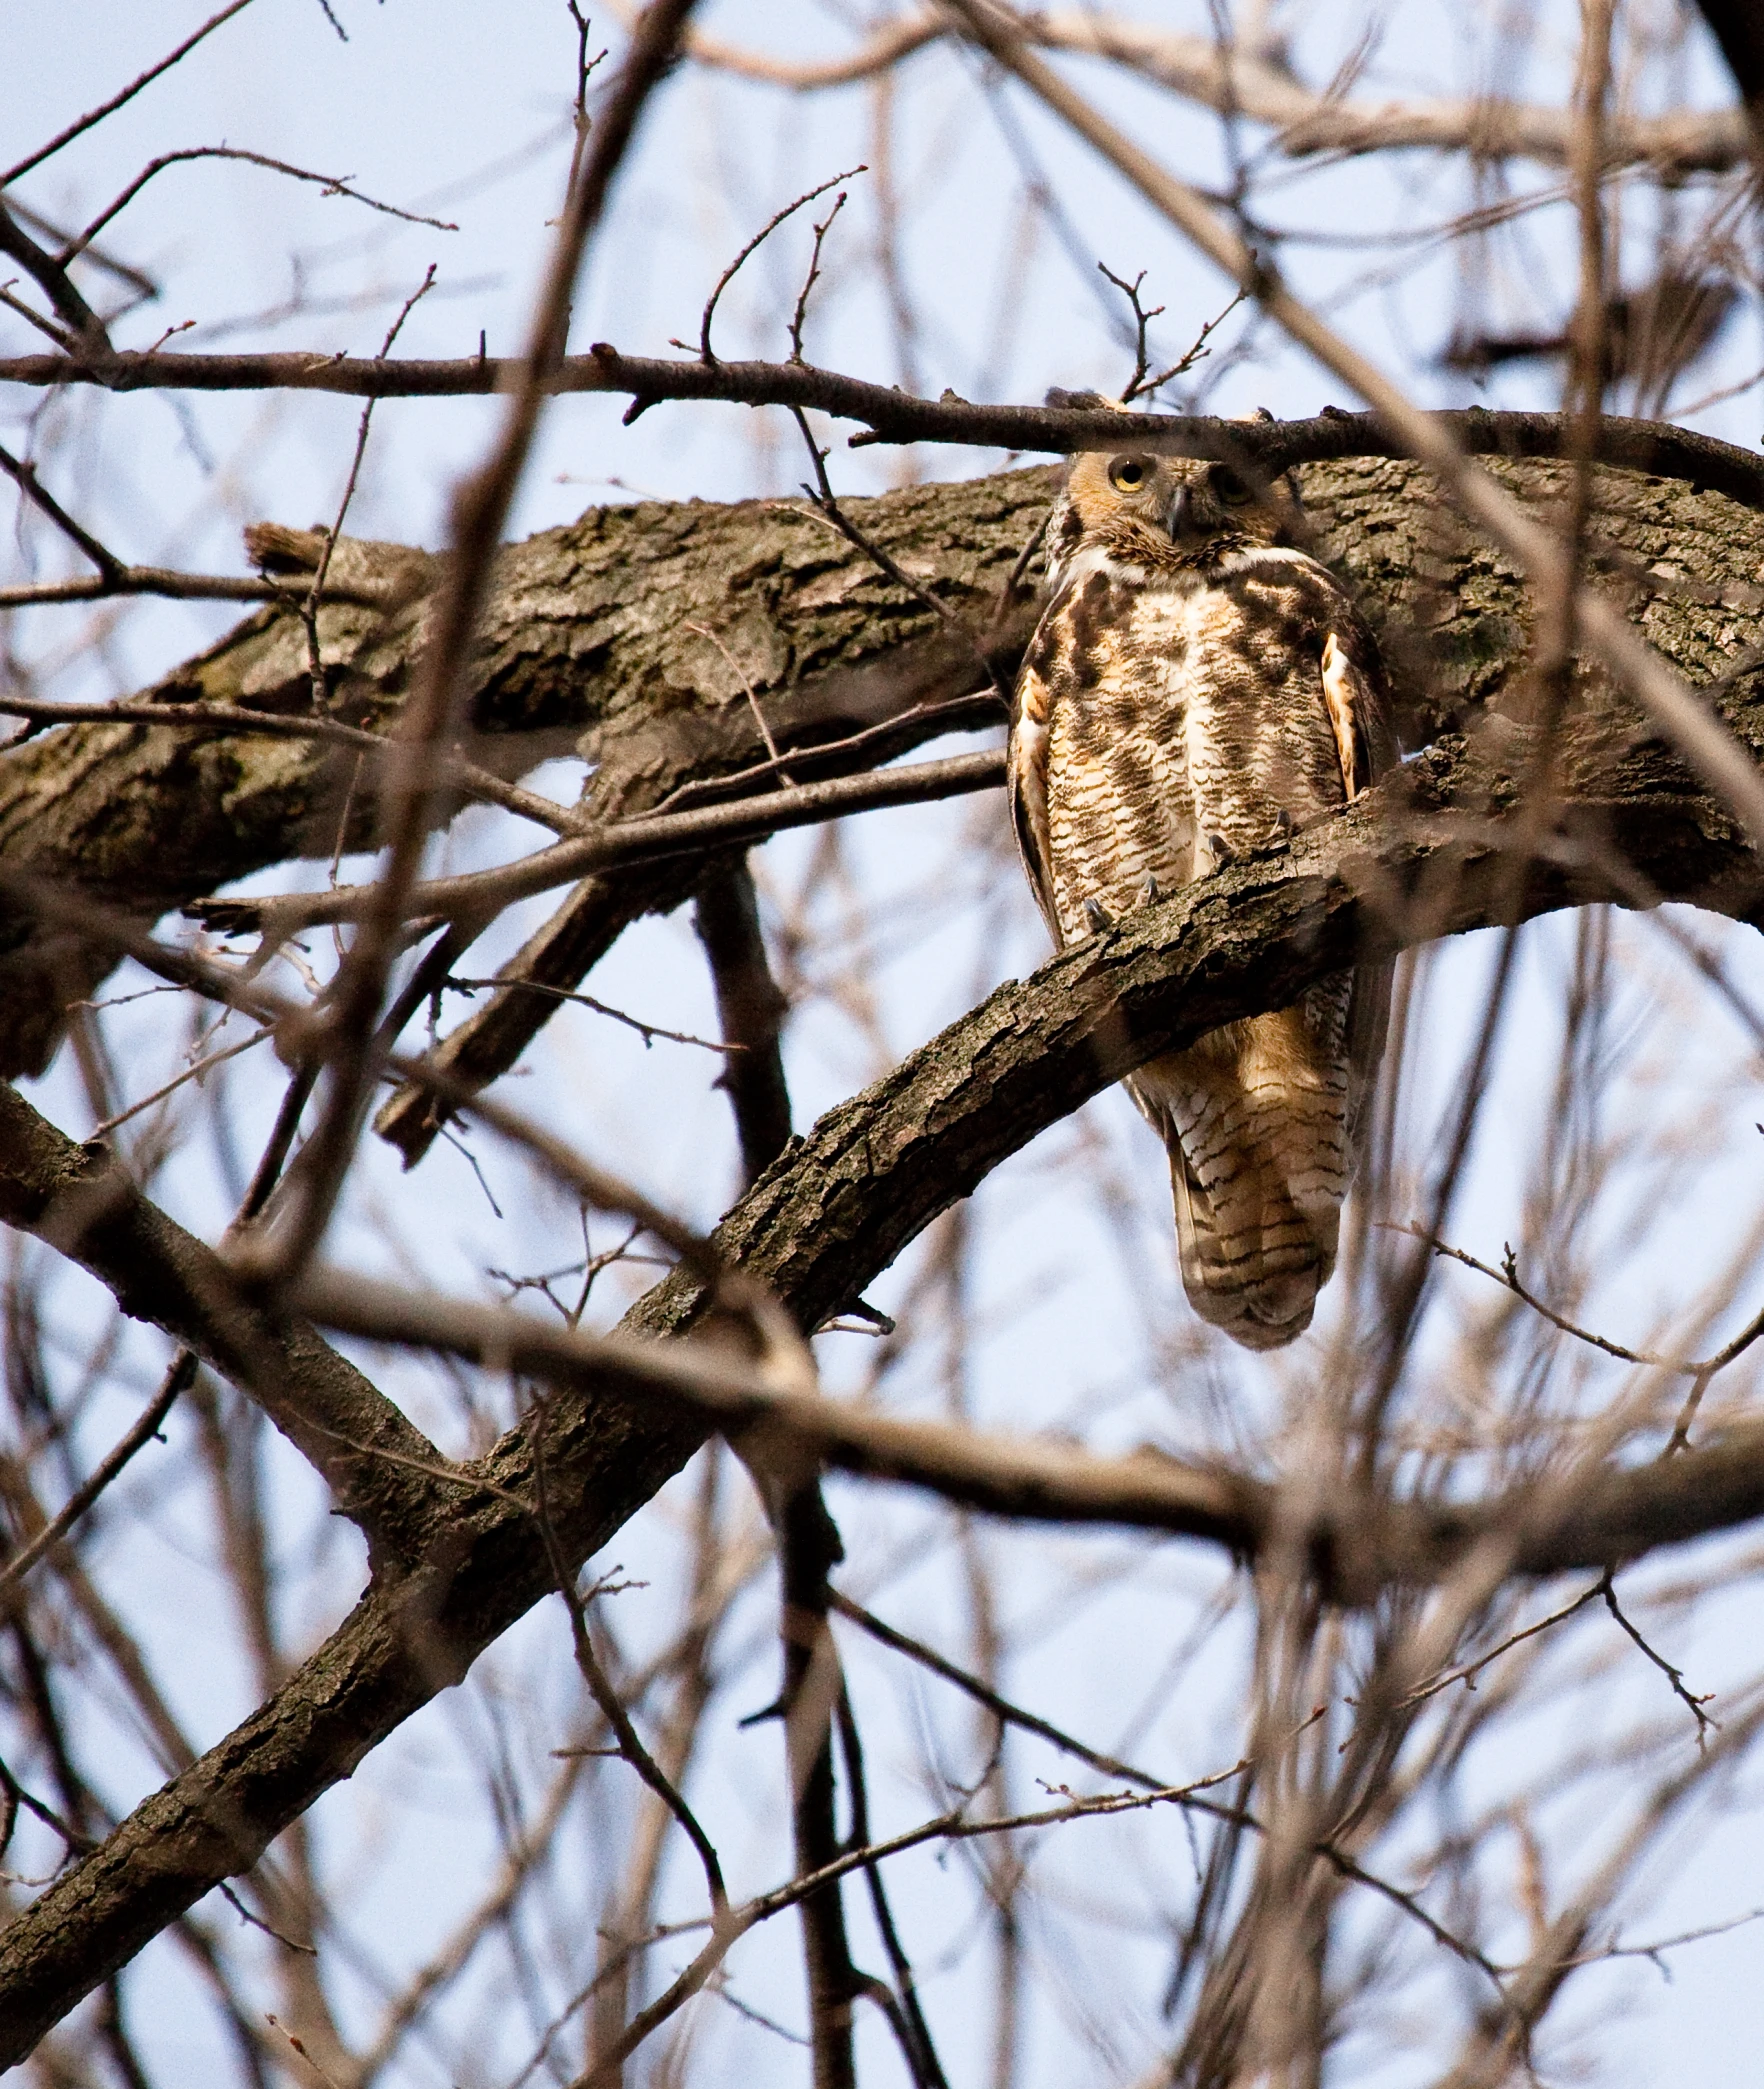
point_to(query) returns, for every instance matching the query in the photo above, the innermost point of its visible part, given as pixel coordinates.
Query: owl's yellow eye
(1228, 486)
(1128, 474)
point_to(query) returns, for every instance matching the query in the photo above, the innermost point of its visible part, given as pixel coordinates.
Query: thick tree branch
(751, 1011)
(150, 819)
(835, 1209)
(898, 417)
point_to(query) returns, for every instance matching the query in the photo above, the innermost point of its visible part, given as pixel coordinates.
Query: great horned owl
(1193, 693)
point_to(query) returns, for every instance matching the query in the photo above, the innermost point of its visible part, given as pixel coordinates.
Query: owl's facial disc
(1184, 500)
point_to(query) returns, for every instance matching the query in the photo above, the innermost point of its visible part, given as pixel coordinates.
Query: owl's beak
(1181, 518)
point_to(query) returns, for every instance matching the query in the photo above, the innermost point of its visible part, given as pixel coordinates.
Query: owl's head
(1185, 502)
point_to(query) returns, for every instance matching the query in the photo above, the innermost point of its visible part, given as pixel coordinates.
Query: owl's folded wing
(1028, 790)
(1350, 700)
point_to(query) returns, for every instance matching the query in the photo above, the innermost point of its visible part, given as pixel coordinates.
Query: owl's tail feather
(1257, 1119)
(1261, 1122)
(1251, 1261)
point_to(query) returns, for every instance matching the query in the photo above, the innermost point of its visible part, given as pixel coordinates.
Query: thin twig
(177, 1381)
(1675, 1676)
(24, 476)
(230, 718)
(649, 1032)
(190, 1073)
(332, 185)
(581, 123)
(1688, 1936)
(825, 503)
(776, 761)
(1142, 320)
(799, 317)
(982, 1694)
(607, 1698)
(166, 581)
(65, 340)
(17, 1795)
(918, 720)
(269, 1929)
(308, 608)
(109, 108)
(906, 2018)
(1471, 1669)
(1508, 1277)
(323, 565)
(1340, 1862)
(705, 353)
(646, 838)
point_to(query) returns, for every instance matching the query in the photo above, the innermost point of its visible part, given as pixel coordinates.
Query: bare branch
(892, 416)
(332, 185)
(1675, 1676)
(705, 352)
(24, 475)
(116, 101)
(177, 1381)
(1232, 80)
(751, 1010)
(625, 842)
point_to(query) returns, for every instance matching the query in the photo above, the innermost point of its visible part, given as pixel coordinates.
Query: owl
(1197, 691)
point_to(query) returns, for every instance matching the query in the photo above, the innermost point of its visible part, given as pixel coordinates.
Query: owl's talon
(1097, 915)
(1149, 891)
(1220, 850)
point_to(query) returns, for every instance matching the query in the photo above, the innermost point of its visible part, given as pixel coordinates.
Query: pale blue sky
(459, 111)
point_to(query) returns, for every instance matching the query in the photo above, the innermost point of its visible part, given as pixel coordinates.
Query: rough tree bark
(633, 638)
(590, 646)
(1420, 858)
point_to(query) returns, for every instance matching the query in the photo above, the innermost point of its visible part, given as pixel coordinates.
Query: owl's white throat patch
(1113, 564)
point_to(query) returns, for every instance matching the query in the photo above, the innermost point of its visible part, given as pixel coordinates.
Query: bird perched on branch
(1195, 692)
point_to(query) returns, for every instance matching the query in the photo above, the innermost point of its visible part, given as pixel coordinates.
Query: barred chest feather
(1175, 724)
